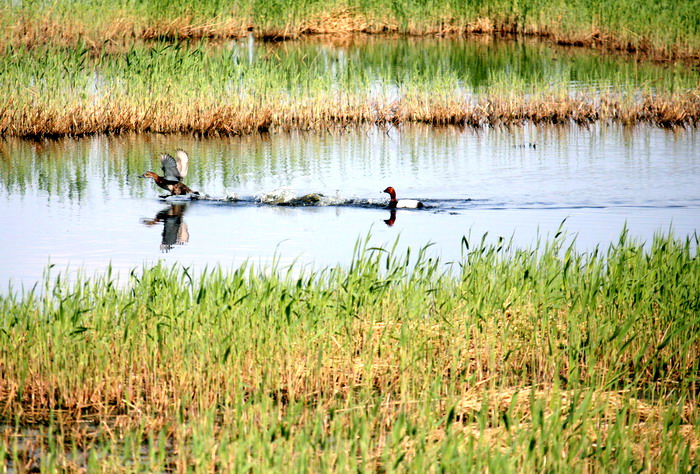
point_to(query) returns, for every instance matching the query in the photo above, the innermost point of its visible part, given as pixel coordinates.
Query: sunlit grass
(659, 28)
(515, 359)
(219, 89)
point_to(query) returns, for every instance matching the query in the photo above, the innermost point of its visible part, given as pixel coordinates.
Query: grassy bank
(211, 118)
(520, 360)
(212, 89)
(662, 30)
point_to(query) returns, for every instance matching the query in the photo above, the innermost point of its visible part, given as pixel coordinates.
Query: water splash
(277, 196)
(231, 196)
(285, 196)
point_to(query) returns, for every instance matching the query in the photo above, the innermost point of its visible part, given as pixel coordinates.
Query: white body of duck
(402, 203)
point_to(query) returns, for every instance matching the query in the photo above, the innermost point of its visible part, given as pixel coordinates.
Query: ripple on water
(309, 196)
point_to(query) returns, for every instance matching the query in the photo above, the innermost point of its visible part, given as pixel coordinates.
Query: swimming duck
(174, 171)
(403, 203)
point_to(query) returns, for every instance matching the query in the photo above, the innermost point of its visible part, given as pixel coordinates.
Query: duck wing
(170, 168)
(183, 162)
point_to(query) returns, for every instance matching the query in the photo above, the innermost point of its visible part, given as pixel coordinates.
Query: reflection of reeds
(522, 358)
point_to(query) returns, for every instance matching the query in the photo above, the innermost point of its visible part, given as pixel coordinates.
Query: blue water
(79, 204)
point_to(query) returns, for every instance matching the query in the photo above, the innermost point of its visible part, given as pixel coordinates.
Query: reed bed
(168, 88)
(207, 118)
(511, 359)
(646, 27)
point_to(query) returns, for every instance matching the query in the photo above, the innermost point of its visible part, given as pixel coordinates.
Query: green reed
(511, 359)
(227, 88)
(639, 23)
(216, 68)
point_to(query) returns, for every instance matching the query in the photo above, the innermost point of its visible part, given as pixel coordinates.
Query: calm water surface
(79, 204)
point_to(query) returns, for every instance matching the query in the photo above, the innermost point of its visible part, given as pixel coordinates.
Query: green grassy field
(521, 360)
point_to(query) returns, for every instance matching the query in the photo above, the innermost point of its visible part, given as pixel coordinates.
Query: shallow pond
(79, 203)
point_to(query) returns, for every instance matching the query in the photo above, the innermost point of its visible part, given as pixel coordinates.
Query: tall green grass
(515, 359)
(662, 25)
(220, 88)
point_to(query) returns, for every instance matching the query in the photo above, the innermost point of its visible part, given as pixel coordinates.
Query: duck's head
(149, 174)
(391, 192)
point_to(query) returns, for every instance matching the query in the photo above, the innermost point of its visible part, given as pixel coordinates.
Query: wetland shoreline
(508, 358)
(644, 30)
(319, 113)
(391, 361)
(214, 88)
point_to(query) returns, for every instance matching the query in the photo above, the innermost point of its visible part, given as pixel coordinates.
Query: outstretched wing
(183, 162)
(170, 168)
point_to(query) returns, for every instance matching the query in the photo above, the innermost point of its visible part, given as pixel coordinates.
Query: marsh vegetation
(511, 357)
(647, 27)
(516, 358)
(243, 87)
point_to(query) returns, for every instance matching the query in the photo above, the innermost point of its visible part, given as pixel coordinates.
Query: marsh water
(79, 204)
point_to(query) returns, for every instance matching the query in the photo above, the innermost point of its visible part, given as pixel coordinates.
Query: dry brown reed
(370, 356)
(187, 28)
(279, 113)
(150, 392)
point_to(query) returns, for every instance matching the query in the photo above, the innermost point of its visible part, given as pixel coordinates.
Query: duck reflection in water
(392, 218)
(174, 227)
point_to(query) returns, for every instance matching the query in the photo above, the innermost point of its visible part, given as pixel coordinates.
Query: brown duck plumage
(173, 173)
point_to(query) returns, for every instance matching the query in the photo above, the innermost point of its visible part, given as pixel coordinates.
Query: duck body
(173, 173)
(406, 204)
(175, 188)
(401, 203)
